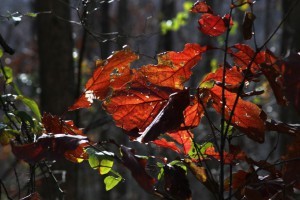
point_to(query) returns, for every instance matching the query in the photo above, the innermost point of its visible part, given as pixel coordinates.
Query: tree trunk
(55, 45)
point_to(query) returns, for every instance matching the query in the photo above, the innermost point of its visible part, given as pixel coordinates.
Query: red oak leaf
(233, 77)
(247, 116)
(201, 7)
(213, 25)
(183, 138)
(173, 68)
(53, 124)
(162, 142)
(136, 107)
(112, 73)
(243, 55)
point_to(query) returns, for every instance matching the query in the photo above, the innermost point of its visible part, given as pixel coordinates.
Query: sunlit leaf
(201, 7)
(31, 104)
(162, 142)
(173, 68)
(110, 74)
(247, 117)
(233, 77)
(183, 138)
(111, 182)
(213, 25)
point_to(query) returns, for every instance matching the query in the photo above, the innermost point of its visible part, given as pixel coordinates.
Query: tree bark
(55, 46)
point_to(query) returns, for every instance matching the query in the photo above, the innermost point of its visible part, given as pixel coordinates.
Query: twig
(18, 183)
(5, 46)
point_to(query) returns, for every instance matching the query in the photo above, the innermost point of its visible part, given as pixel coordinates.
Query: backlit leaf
(212, 25)
(54, 124)
(183, 138)
(137, 106)
(32, 105)
(233, 77)
(247, 116)
(201, 7)
(169, 118)
(162, 142)
(243, 55)
(111, 182)
(173, 68)
(112, 73)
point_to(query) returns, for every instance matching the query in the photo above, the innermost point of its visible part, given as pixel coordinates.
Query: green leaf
(199, 150)
(1, 53)
(6, 135)
(31, 14)
(25, 117)
(161, 173)
(8, 74)
(111, 181)
(32, 105)
(105, 166)
(179, 164)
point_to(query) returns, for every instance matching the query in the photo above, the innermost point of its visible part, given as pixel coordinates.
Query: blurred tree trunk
(290, 43)
(167, 12)
(291, 28)
(55, 45)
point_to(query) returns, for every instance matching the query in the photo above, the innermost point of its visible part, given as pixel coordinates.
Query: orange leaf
(233, 77)
(162, 142)
(183, 138)
(112, 73)
(173, 68)
(137, 106)
(247, 116)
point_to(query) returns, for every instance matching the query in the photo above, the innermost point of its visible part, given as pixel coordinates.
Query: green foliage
(30, 103)
(178, 21)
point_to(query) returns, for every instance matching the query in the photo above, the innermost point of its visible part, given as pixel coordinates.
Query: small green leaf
(111, 181)
(8, 74)
(179, 164)
(32, 105)
(31, 14)
(161, 173)
(199, 150)
(105, 166)
(1, 53)
(6, 135)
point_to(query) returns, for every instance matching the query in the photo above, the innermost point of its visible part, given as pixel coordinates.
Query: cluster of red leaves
(61, 138)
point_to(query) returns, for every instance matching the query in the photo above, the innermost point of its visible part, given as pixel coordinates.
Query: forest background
(55, 53)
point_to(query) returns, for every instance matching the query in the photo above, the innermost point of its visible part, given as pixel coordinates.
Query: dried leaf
(247, 25)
